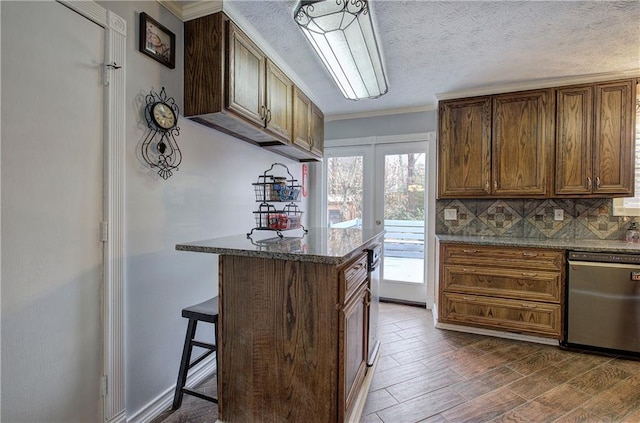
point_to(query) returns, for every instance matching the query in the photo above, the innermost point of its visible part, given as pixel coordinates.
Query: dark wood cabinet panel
(464, 164)
(574, 134)
(246, 77)
(308, 124)
(354, 350)
(571, 141)
(317, 131)
(279, 113)
(502, 288)
(595, 139)
(522, 141)
(613, 158)
(232, 86)
(301, 119)
(293, 338)
(530, 318)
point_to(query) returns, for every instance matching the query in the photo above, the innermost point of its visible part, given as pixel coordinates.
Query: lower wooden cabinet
(502, 288)
(354, 334)
(293, 338)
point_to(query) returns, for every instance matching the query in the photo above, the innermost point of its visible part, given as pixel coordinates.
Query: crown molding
(388, 112)
(191, 11)
(541, 83)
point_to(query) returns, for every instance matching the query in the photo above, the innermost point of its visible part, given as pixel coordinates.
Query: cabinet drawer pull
(597, 182)
(468, 270)
(358, 266)
(468, 299)
(470, 251)
(588, 183)
(530, 274)
(530, 254)
(529, 306)
(495, 184)
(486, 185)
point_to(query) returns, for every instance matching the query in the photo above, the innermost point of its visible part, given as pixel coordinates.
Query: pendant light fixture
(342, 34)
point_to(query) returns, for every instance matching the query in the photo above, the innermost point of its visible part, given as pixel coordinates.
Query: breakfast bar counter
(293, 324)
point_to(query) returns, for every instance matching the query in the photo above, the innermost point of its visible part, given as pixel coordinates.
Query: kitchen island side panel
(279, 343)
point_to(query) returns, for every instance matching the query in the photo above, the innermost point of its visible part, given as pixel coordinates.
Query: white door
(384, 186)
(400, 209)
(52, 206)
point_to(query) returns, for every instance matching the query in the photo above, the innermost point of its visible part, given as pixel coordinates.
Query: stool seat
(206, 311)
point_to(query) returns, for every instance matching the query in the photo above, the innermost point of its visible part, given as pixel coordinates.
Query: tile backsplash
(581, 218)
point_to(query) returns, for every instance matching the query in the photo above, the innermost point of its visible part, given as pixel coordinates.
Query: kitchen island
(293, 325)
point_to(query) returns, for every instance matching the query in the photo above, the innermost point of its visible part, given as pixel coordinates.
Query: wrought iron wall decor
(159, 148)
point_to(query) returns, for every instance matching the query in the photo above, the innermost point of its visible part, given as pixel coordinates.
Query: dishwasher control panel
(604, 257)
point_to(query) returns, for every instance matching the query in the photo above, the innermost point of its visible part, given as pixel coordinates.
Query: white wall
(211, 195)
(378, 126)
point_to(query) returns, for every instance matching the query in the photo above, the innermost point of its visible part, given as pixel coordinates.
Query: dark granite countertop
(321, 245)
(596, 245)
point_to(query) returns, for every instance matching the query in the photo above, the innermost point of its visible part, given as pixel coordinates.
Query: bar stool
(206, 311)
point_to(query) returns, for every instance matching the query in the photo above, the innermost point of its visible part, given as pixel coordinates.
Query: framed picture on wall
(156, 41)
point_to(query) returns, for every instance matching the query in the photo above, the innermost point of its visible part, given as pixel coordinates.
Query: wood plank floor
(430, 375)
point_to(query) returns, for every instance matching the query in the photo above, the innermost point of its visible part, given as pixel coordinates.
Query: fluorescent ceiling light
(341, 32)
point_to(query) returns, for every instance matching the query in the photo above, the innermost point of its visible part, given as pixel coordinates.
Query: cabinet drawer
(511, 257)
(352, 276)
(539, 319)
(494, 281)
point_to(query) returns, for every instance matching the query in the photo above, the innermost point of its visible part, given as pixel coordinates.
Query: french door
(383, 186)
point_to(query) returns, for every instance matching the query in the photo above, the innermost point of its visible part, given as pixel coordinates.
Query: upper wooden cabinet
(522, 141)
(595, 139)
(464, 167)
(279, 109)
(308, 124)
(232, 86)
(498, 145)
(509, 145)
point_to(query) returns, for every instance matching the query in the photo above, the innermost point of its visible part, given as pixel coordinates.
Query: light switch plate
(450, 214)
(558, 214)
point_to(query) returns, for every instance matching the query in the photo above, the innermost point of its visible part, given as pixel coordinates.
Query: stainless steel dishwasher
(603, 301)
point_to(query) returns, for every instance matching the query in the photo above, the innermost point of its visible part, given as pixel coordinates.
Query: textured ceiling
(432, 47)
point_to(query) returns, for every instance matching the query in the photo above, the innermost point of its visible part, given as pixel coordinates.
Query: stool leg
(184, 363)
(218, 385)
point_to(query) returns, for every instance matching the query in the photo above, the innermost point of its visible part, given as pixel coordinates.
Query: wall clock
(160, 149)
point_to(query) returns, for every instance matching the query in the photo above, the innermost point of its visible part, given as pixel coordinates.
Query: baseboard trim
(154, 408)
(403, 302)
(361, 399)
(498, 334)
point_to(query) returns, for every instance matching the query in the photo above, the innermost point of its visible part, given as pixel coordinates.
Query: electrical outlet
(558, 214)
(450, 214)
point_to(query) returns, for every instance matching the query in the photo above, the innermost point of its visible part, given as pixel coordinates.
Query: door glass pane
(404, 214)
(344, 191)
